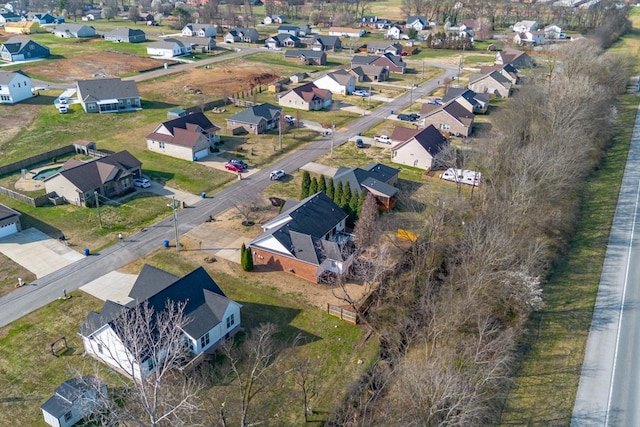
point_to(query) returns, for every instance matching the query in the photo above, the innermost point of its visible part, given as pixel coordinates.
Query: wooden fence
(241, 102)
(344, 313)
(38, 201)
(34, 160)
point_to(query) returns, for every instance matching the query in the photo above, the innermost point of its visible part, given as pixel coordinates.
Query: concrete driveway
(114, 286)
(221, 243)
(38, 252)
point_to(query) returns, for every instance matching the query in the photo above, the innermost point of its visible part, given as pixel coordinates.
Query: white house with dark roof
(420, 148)
(168, 48)
(74, 400)
(240, 34)
(108, 95)
(418, 23)
(526, 25)
(9, 221)
(326, 43)
(307, 97)
(295, 30)
(307, 239)
(199, 30)
(378, 179)
(125, 35)
(382, 47)
(15, 86)
(282, 40)
(340, 82)
(9, 17)
(213, 318)
(257, 119)
(394, 32)
(189, 137)
(74, 31)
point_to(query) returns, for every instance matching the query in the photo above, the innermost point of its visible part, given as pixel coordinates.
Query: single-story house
(517, 58)
(22, 27)
(274, 19)
(346, 32)
(307, 239)
(9, 17)
(188, 137)
(326, 43)
(74, 31)
(168, 48)
(15, 86)
(257, 119)
(295, 30)
(109, 176)
(306, 97)
(370, 73)
(522, 26)
(382, 47)
(393, 63)
(418, 23)
(214, 317)
(74, 400)
(108, 95)
(17, 49)
(306, 57)
(125, 35)
(451, 117)
(420, 149)
(239, 34)
(378, 179)
(476, 103)
(494, 84)
(198, 44)
(340, 82)
(9, 221)
(282, 40)
(199, 30)
(42, 18)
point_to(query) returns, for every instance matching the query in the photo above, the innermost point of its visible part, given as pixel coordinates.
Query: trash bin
(86, 251)
(204, 195)
(391, 111)
(165, 243)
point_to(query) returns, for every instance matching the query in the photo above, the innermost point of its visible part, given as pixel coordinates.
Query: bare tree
(247, 207)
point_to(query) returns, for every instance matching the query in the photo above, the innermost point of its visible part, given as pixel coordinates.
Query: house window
(67, 416)
(100, 350)
(150, 364)
(205, 340)
(161, 144)
(231, 321)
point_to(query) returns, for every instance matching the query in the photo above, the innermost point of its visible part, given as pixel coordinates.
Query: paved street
(609, 390)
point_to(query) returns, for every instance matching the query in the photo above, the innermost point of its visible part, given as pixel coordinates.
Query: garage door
(201, 154)
(7, 230)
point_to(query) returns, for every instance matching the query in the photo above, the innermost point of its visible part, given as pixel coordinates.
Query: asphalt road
(609, 389)
(46, 289)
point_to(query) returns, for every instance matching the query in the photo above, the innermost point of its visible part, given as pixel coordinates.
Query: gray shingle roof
(307, 53)
(7, 76)
(375, 174)
(6, 212)
(253, 115)
(68, 392)
(125, 32)
(167, 43)
(100, 89)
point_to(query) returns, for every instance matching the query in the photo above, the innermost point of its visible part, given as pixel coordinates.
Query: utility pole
(369, 95)
(95, 194)
(422, 70)
(280, 131)
(174, 205)
(333, 137)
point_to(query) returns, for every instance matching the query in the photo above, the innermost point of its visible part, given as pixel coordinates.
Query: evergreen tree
(248, 259)
(346, 197)
(337, 195)
(306, 183)
(322, 184)
(363, 195)
(353, 207)
(243, 257)
(313, 188)
(330, 189)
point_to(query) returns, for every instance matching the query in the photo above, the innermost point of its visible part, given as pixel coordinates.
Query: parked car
(62, 100)
(409, 117)
(233, 167)
(383, 138)
(239, 163)
(141, 182)
(290, 119)
(277, 174)
(359, 143)
(404, 53)
(359, 92)
(62, 108)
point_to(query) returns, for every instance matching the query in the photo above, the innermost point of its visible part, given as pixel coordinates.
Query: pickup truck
(383, 139)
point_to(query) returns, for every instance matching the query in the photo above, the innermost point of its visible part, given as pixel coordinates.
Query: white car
(362, 93)
(383, 138)
(141, 182)
(277, 174)
(290, 119)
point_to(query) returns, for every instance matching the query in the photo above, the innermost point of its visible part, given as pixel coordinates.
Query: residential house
(274, 19)
(41, 18)
(108, 95)
(326, 43)
(524, 26)
(282, 40)
(532, 38)
(168, 48)
(22, 27)
(382, 47)
(494, 84)
(306, 239)
(110, 176)
(199, 30)
(340, 82)
(393, 63)
(468, 25)
(74, 31)
(239, 34)
(295, 30)
(383, 24)
(552, 31)
(125, 35)
(369, 21)
(9, 221)
(92, 15)
(74, 400)
(378, 179)
(15, 86)
(394, 33)
(307, 57)
(370, 73)
(307, 97)
(9, 17)
(517, 58)
(420, 149)
(346, 32)
(451, 117)
(17, 49)
(418, 23)
(214, 318)
(257, 119)
(507, 70)
(189, 137)
(476, 103)
(198, 44)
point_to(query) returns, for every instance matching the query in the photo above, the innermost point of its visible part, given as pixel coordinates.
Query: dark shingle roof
(307, 53)
(184, 131)
(431, 140)
(68, 392)
(327, 40)
(6, 212)
(374, 174)
(125, 32)
(253, 115)
(100, 89)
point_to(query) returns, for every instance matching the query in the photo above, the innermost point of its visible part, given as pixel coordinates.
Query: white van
(63, 109)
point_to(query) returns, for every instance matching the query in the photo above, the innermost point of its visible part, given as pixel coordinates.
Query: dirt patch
(104, 64)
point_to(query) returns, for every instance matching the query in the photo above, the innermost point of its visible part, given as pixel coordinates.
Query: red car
(404, 53)
(233, 167)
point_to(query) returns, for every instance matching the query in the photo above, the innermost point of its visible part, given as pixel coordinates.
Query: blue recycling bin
(86, 251)
(165, 243)
(204, 195)
(391, 111)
